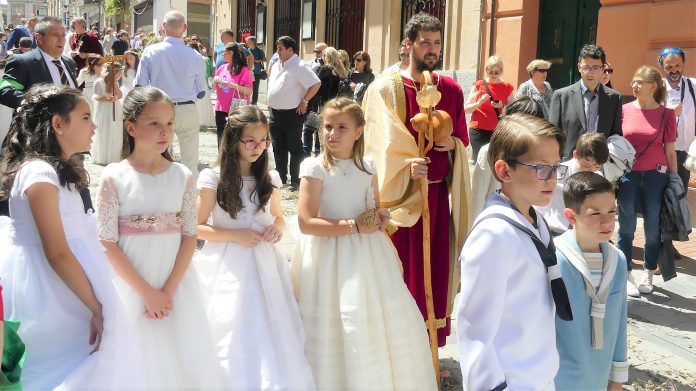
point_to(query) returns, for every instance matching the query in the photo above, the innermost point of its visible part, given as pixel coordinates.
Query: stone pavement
(662, 326)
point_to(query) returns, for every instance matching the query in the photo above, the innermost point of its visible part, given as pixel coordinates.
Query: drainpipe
(492, 28)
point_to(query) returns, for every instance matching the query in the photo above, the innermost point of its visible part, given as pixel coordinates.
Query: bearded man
(389, 104)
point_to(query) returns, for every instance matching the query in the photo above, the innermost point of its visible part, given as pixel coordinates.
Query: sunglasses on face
(358, 60)
(609, 71)
(543, 172)
(541, 70)
(403, 55)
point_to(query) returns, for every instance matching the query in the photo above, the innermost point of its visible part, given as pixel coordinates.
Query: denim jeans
(645, 189)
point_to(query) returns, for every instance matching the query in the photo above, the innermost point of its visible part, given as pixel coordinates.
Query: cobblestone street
(662, 326)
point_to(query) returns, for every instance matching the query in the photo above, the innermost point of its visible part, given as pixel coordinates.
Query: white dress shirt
(53, 69)
(686, 124)
(174, 68)
(288, 83)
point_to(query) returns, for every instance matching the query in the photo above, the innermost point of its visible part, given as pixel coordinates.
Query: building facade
(18, 9)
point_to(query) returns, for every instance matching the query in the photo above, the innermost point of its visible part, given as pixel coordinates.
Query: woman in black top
(361, 75)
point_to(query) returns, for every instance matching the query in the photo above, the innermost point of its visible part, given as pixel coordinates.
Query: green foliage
(114, 7)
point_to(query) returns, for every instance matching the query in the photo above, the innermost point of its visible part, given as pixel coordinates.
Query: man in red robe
(83, 43)
(390, 139)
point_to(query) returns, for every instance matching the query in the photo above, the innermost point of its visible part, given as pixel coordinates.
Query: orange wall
(515, 36)
(634, 32)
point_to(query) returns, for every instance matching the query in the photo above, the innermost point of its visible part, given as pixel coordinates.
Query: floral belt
(158, 223)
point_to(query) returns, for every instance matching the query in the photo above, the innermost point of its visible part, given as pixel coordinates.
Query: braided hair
(32, 136)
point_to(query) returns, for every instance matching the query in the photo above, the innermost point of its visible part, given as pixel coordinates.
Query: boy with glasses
(505, 316)
(601, 106)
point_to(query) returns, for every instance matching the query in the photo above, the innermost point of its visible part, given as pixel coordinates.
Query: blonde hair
(514, 136)
(332, 58)
(349, 106)
(494, 61)
(345, 58)
(651, 74)
(535, 64)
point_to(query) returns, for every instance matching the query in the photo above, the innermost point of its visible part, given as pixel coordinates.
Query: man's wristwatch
(305, 101)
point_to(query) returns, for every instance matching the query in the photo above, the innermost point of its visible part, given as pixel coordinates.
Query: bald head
(319, 49)
(174, 24)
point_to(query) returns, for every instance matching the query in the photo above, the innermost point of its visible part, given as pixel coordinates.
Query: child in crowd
(56, 280)
(483, 182)
(590, 153)
(592, 348)
(363, 328)
(255, 319)
(129, 71)
(108, 115)
(505, 314)
(147, 223)
(89, 75)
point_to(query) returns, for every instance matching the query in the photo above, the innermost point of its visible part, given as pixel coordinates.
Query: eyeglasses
(251, 145)
(669, 51)
(593, 68)
(609, 71)
(544, 171)
(402, 55)
(638, 83)
(543, 70)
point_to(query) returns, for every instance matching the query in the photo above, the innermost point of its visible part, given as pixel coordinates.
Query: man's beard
(422, 66)
(674, 76)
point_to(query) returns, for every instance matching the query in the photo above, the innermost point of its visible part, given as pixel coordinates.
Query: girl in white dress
(89, 75)
(56, 280)
(363, 328)
(129, 71)
(147, 222)
(108, 115)
(255, 319)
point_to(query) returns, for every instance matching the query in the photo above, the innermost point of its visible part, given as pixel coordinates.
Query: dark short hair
(227, 32)
(524, 105)
(287, 42)
(25, 42)
(581, 185)
(593, 146)
(592, 51)
(421, 22)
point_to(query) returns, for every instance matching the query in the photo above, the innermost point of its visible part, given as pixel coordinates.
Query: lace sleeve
(99, 89)
(107, 209)
(189, 225)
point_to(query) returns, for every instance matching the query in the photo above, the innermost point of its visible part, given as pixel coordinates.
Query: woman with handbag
(233, 83)
(486, 101)
(652, 129)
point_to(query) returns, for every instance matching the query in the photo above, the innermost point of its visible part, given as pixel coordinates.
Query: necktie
(63, 76)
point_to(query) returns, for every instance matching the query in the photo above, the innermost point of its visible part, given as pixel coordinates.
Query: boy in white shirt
(590, 153)
(505, 316)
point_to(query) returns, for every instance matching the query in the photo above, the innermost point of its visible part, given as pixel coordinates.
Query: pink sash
(159, 223)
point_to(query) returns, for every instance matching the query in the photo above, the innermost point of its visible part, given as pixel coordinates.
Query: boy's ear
(570, 215)
(502, 170)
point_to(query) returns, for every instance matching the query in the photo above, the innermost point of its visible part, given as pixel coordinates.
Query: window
(345, 20)
(287, 19)
(261, 25)
(308, 17)
(246, 18)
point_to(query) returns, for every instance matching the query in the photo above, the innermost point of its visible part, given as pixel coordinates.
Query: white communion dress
(147, 216)
(364, 330)
(108, 140)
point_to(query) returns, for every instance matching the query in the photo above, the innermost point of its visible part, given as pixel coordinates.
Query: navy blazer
(567, 112)
(24, 70)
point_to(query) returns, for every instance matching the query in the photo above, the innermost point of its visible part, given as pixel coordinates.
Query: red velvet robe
(409, 241)
(90, 44)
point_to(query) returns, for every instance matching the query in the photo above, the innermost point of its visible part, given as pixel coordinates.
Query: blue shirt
(591, 105)
(174, 68)
(18, 33)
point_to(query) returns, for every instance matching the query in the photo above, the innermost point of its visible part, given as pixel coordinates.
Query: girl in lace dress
(364, 330)
(88, 75)
(255, 318)
(147, 222)
(57, 282)
(129, 71)
(108, 115)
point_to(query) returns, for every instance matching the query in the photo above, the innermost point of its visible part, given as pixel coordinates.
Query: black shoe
(294, 186)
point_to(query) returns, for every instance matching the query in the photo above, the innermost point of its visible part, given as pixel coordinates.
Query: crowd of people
(390, 232)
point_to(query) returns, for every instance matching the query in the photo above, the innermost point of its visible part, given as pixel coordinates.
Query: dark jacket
(328, 89)
(567, 112)
(675, 220)
(23, 71)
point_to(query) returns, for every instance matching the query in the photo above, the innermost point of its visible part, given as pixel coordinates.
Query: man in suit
(586, 106)
(45, 64)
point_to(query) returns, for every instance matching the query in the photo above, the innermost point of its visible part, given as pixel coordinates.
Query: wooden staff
(112, 60)
(423, 149)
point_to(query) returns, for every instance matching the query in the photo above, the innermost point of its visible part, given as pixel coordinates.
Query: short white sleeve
(208, 179)
(275, 179)
(36, 171)
(313, 168)
(369, 164)
(306, 76)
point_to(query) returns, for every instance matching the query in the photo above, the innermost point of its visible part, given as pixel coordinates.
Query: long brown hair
(349, 106)
(133, 105)
(32, 136)
(230, 187)
(91, 63)
(109, 74)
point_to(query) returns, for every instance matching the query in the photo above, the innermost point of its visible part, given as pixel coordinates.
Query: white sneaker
(646, 282)
(631, 288)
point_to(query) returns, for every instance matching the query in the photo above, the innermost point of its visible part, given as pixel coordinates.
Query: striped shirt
(595, 264)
